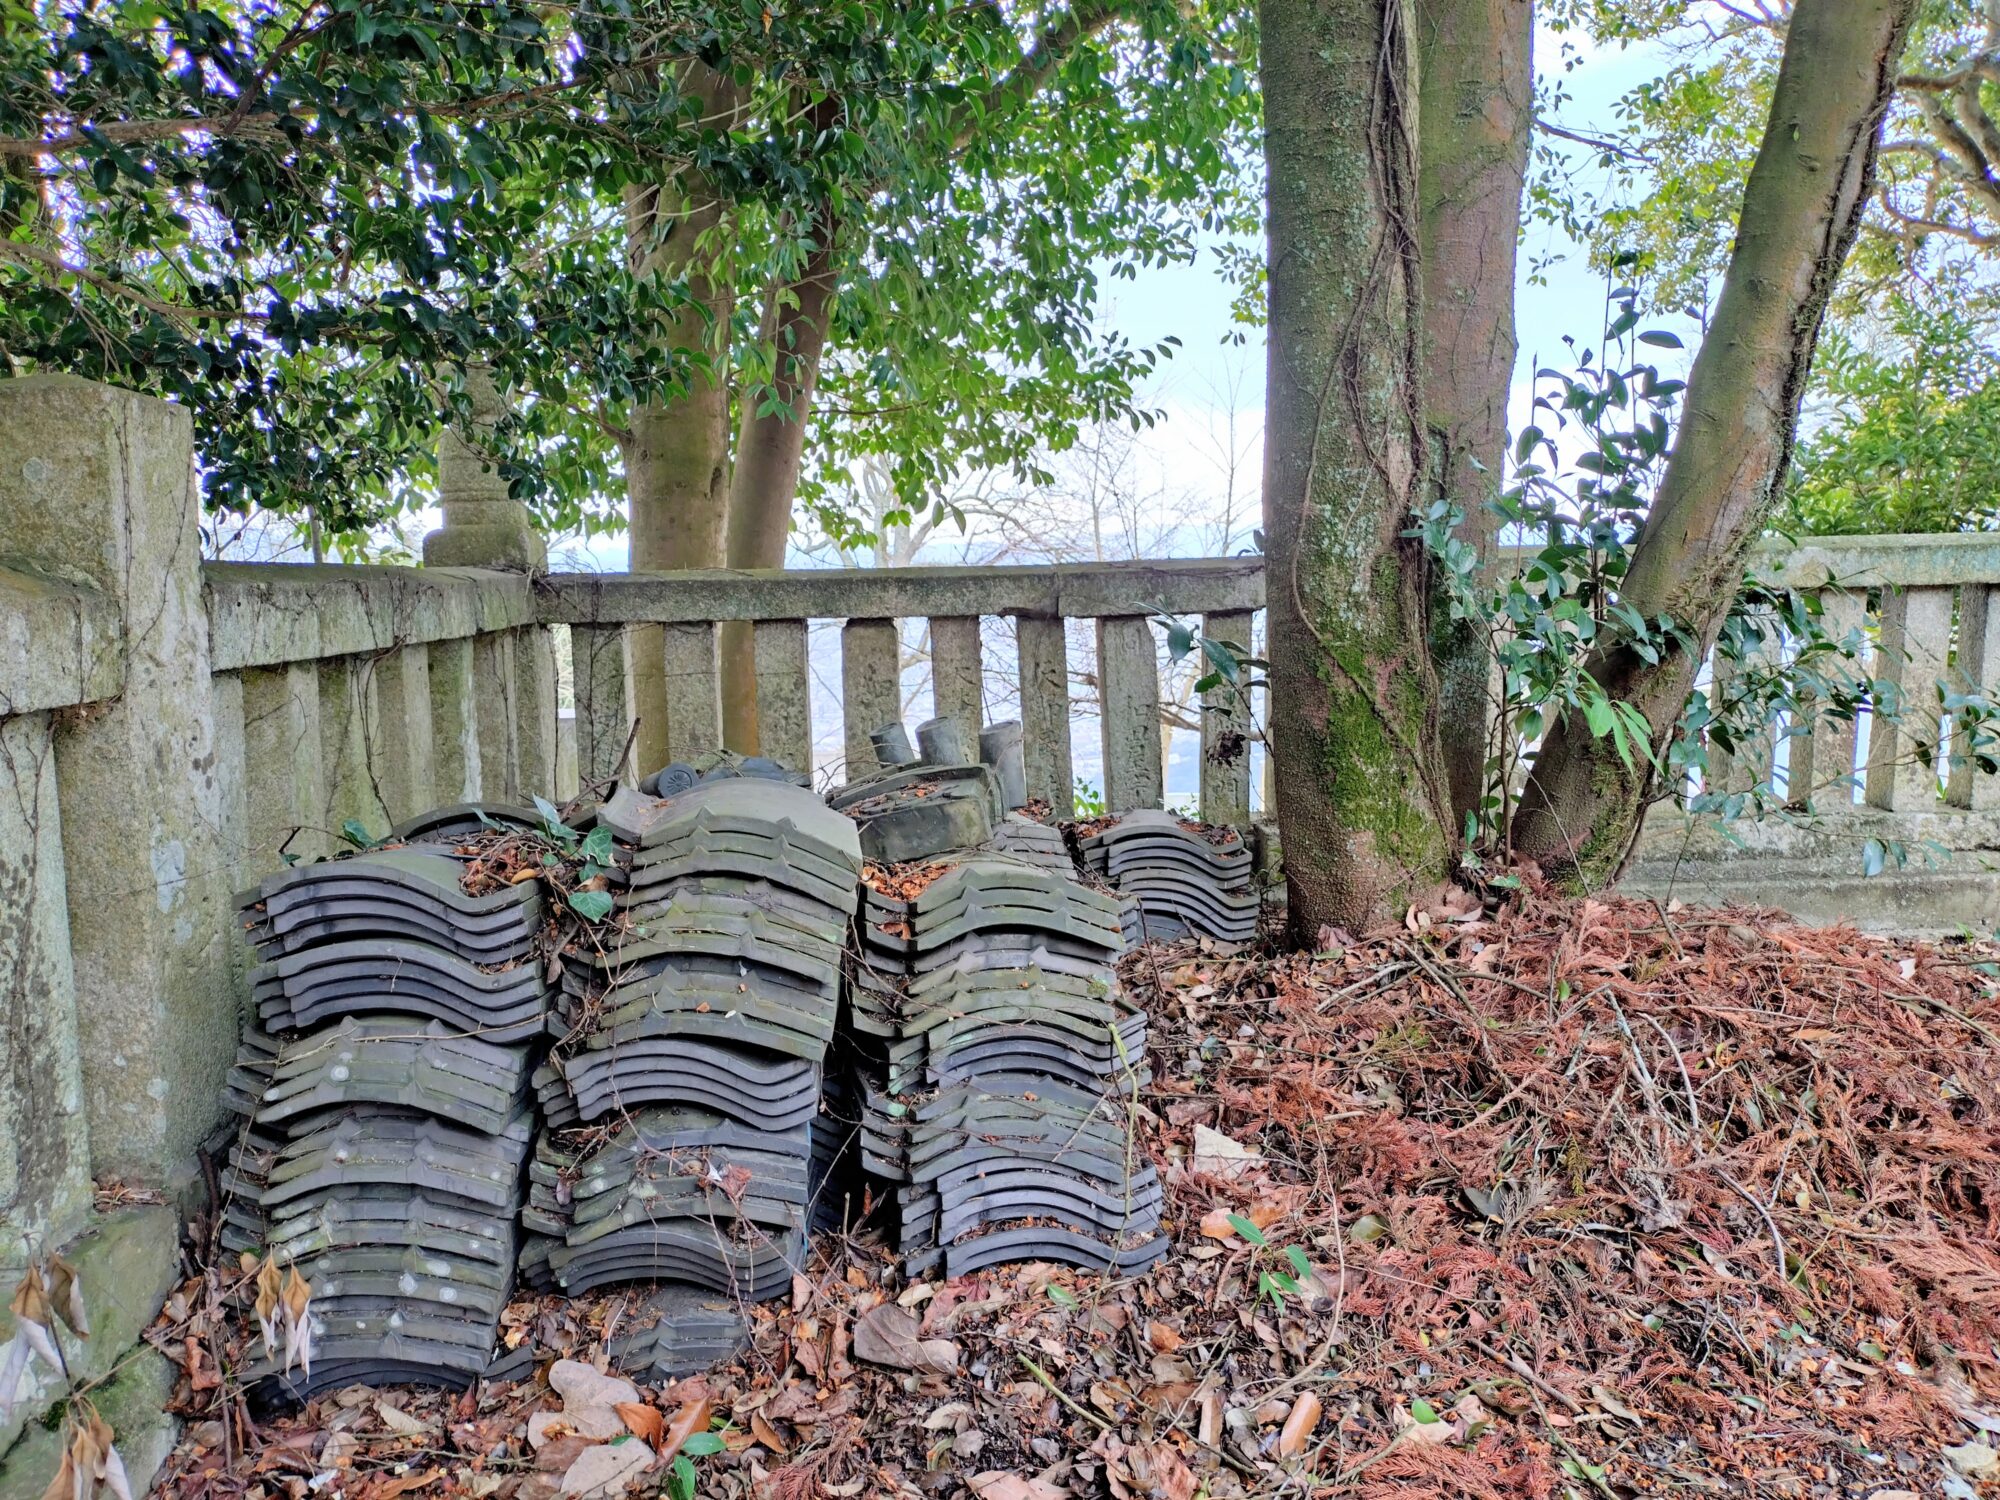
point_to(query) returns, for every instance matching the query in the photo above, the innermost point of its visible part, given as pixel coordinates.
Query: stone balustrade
(171, 731)
(611, 644)
(1928, 606)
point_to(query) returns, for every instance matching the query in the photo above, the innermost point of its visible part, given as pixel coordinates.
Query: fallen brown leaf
(766, 1434)
(690, 1419)
(890, 1335)
(997, 1484)
(644, 1422)
(1171, 1479)
(402, 1484)
(1298, 1428)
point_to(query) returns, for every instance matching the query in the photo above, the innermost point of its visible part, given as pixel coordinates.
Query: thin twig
(1060, 1394)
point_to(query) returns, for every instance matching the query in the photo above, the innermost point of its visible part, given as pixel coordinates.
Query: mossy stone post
(45, 1163)
(98, 486)
(484, 527)
(514, 680)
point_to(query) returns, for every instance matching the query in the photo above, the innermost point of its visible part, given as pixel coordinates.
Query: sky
(1195, 389)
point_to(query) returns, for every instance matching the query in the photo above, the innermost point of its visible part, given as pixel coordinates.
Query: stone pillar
(99, 484)
(535, 711)
(45, 1162)
(483, 527)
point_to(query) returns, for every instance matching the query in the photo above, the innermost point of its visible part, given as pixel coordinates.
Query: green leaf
(1299, 1262)
(1598, 715)
(592, 906)
(702, 1444)
(1423, 1411)
(1224, 657)
(681, 1478)
(552, 818)
(597, 846)
(355, 832)
(1246, 1230)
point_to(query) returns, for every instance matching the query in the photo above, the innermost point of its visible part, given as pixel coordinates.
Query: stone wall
(170, 732)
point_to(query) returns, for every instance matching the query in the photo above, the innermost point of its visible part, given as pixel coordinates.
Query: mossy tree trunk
(1801, 208)
(1476, 93)
(1362, 803)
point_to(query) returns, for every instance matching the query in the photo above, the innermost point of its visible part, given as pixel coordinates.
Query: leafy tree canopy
(1895, 414)
(1913, 440)
(1681, 144)
(303, 219)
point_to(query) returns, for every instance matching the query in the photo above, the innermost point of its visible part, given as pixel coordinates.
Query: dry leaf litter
(1561, 1199)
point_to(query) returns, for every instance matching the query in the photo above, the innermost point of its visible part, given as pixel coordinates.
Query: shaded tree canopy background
(303, 219)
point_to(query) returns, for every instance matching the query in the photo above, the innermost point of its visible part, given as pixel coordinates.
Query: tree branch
(34, 257)
(1038, 64)
(1598, 143)
(1939, 226)
(506, 103)
(135, 132)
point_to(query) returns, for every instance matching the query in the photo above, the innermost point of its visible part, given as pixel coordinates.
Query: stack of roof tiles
(1038, 843)
(678, 1331)
(993, 967)
(681, 1098)
(386, 1102)
(392, 929)
(994, 1056)
(1189, 879)
(912, 807)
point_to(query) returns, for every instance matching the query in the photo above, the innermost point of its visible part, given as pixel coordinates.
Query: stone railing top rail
(1857, 562)
(1203, 585)
(1861, 562)
(268, 614)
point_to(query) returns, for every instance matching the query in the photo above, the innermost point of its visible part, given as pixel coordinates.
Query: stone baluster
(1128, 692)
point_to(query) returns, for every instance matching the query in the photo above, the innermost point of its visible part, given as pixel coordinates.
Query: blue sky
(1193, 302)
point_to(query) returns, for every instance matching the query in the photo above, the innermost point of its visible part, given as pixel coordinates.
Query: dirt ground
(1562, 1199)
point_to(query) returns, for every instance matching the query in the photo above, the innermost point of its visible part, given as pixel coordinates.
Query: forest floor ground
(1569, 1198)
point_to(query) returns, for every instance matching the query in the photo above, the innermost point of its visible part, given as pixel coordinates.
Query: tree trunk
(1361, 796)
(1801, 209)
(770, 445)
(1476, 92)
(677, 454)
